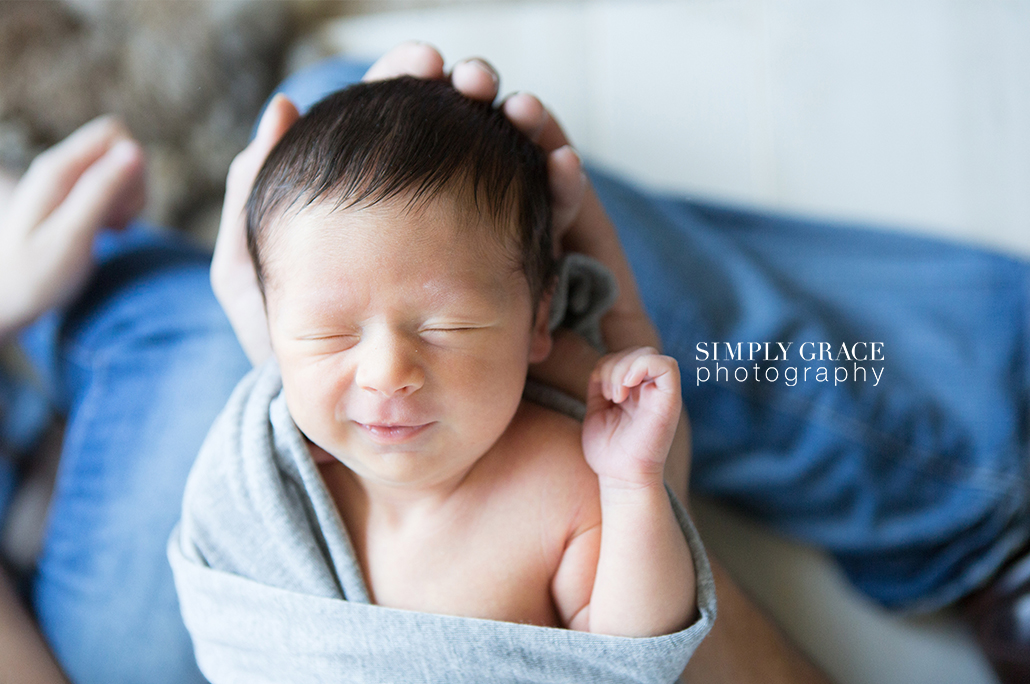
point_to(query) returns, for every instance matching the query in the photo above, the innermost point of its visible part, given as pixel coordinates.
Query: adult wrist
(624, 329)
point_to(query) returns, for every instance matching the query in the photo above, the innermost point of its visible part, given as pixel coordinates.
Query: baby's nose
(390, 366)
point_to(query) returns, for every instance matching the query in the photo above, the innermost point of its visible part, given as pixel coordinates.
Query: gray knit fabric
(584, 291)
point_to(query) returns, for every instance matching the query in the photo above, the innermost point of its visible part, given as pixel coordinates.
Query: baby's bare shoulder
(549, 448)
(541, 431)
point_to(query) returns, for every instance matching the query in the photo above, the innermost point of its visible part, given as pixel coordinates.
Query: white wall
(905, 112)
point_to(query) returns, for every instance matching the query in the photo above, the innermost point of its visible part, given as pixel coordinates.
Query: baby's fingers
(603, 373)
(607, 371)
(620, 369)
(661, 370)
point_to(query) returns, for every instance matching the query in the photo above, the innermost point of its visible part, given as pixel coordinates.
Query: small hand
(92, 178)
(633, 405)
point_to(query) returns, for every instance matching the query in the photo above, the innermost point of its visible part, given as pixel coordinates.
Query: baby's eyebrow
(488, 294)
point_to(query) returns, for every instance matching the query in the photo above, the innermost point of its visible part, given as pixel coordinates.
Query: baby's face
(403, 337)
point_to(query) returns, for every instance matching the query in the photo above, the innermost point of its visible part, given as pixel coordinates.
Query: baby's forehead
(440, 236)
(441, 215)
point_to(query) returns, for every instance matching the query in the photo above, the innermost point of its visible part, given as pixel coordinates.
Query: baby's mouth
(392, 434)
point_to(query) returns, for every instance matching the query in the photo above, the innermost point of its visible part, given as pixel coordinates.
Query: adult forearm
(24, 657)
(627, 324)
(745, 646)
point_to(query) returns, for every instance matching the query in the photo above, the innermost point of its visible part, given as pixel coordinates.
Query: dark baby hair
(374, 141)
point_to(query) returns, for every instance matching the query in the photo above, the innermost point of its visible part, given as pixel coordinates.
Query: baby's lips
(393, 434)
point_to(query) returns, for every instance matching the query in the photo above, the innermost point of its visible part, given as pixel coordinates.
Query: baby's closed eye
(328, 342)
(452, 333)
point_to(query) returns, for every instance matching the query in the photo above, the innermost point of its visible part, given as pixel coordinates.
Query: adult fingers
(565, 174)
(531, 117)
(232, 274)
(568, 184)
(278, 117)
(95, 194)
(475, 78)
(131, 199)
(59, 251)
(129, 203)
(412, 58)
(53, 173)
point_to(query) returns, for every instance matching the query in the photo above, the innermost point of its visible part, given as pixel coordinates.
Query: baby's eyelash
(340, 336)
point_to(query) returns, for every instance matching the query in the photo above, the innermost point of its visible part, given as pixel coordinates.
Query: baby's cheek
(311, 402)
(505, 382)
(494, 371)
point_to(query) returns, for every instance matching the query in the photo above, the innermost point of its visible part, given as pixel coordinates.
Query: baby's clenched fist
(633, 404)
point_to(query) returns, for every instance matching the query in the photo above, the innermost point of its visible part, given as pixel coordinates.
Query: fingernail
(484, 67)
(124, 150)
(103, 121)
(570, 148)
(265, 125)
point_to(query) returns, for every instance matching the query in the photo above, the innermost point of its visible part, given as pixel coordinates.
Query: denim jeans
(917, 485)
(141, 364)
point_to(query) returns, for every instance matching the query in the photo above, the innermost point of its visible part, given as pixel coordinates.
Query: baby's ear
(540, 343)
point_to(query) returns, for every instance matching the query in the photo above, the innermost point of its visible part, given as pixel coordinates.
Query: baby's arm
(644, 580)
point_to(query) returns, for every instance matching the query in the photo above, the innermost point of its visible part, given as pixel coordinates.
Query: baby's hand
(633, 404)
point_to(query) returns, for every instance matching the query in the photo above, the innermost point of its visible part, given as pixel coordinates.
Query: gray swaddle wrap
(271, 590)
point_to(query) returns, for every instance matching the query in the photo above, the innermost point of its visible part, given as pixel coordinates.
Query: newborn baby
(401, 237)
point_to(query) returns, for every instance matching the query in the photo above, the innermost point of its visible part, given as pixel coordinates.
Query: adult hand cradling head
(232, 275)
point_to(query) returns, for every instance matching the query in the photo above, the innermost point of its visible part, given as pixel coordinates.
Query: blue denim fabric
(24, 416)
(918, 486)
(141, 363)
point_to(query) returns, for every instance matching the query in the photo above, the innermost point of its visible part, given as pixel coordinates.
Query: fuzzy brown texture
(188, 78)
